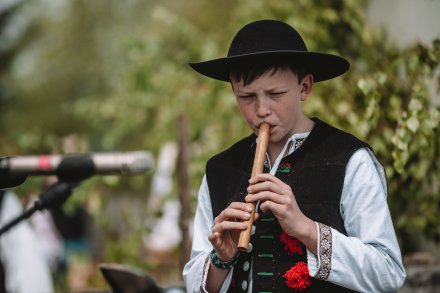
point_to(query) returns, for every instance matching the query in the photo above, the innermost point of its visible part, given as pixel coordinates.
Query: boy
(322, 221)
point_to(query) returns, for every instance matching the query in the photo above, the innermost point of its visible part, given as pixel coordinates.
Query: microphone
(77, 166)
(8, 181)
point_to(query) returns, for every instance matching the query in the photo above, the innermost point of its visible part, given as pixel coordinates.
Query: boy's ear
(306, 86)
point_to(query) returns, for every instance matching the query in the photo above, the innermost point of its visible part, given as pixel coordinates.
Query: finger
(273, 184)
(225, 226)
(264, 177)
(266, 186)
(216, 240)
(282, 210)
(239, 206)
(224, 245)
(275, 208)
(214, 236)
(231, 215)
(236, 210)
(268, 196)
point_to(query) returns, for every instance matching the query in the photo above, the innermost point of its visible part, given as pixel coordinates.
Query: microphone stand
(56, 194)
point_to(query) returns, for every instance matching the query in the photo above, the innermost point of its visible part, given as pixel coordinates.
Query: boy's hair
(248, 72)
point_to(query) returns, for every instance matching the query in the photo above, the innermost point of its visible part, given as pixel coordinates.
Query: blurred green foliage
(114, 75)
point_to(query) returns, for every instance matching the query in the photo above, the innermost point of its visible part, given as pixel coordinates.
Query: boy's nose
(262, 107)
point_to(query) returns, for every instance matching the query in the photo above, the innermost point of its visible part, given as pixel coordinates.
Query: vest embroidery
(298, 276)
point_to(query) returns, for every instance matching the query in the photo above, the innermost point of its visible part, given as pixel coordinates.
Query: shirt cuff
(320, 265)
(312, 260)
(205, 274)
(224, 288)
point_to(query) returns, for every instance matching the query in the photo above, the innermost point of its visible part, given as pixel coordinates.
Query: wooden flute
(257, 168)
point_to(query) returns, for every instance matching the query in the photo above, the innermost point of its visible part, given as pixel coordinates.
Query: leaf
(415, 105)
(413, 124)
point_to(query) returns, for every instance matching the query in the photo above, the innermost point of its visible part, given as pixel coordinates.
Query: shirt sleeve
(368, 259)
(23, 258)
(195, 271)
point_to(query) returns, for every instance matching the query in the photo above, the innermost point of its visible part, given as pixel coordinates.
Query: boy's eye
(245, 96)
(276, 94)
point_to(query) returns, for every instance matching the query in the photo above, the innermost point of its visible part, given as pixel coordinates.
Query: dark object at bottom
(127, 279)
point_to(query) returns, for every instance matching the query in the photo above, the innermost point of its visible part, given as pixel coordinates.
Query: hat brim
(321, 65)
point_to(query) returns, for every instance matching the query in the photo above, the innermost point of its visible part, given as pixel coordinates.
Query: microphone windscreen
(8, 181)
(75, 168)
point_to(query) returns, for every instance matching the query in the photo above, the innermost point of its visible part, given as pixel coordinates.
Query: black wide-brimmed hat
(267, 41)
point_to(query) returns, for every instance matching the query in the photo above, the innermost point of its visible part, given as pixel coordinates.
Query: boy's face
(274, 98)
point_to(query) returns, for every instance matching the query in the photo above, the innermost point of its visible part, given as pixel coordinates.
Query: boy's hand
(226, 230)
(278, 197)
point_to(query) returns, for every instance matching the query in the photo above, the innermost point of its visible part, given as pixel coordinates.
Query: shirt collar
(293, 143)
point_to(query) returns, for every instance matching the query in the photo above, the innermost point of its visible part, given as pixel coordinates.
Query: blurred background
(81, 76)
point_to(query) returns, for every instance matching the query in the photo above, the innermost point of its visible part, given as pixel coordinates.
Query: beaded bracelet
(223, 265)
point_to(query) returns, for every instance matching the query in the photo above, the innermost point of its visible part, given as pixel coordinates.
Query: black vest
(315, 172)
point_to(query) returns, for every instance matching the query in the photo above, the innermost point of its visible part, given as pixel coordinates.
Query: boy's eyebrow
(244, 93)
(242, 89)
(277, 88)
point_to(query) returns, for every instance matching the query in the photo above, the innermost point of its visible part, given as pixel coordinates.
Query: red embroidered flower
(298, 276)
(291, 245)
